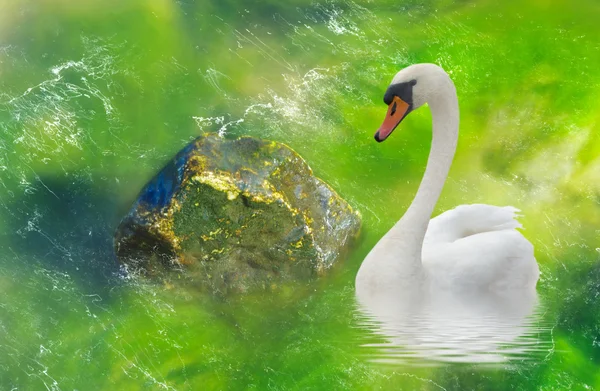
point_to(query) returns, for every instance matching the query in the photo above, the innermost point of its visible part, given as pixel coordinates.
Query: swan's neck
(409, 232)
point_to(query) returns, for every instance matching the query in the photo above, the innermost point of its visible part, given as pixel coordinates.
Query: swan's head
(410, 89)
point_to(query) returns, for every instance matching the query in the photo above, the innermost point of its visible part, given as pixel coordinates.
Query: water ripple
(444, 329)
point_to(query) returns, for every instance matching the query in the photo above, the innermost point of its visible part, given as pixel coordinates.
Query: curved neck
(412, 226)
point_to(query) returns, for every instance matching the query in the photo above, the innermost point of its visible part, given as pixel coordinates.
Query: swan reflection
(466, 327)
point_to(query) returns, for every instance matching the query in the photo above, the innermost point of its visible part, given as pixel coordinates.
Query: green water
(95, 96)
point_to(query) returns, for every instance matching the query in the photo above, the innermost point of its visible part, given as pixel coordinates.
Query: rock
(236, 214)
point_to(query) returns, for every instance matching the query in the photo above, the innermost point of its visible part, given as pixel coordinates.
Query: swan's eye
(393, 109)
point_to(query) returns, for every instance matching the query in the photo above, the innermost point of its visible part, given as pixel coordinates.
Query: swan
(462, 283)
(471, 247)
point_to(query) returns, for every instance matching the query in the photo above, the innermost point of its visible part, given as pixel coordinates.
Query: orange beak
(397, 110)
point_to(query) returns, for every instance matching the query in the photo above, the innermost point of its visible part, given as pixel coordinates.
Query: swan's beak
(397, 110)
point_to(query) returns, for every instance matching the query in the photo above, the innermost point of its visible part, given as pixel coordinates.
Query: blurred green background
(96, 96)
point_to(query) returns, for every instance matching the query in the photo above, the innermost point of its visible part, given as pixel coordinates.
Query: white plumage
(478, 246)
(469, 247)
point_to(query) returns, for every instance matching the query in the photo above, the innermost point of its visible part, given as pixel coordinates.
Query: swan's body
(469, 247)
(466, 278)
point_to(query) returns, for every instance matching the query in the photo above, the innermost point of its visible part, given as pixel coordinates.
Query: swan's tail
(467, 220)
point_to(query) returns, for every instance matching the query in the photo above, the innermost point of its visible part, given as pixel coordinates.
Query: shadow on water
(65, 225)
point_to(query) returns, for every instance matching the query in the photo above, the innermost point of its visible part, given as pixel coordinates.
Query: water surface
(96, 96)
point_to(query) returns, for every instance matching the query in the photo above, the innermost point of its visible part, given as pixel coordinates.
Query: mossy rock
(236, 214)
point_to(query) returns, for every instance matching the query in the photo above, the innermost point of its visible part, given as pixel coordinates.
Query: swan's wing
(467, 220)
(478, 245)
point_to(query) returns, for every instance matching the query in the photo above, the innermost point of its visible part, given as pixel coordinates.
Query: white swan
(461, 277)
(469, 247)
